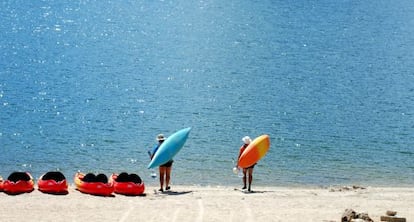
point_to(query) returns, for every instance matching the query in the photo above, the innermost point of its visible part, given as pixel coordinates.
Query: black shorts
(167, 164)
(250, 167)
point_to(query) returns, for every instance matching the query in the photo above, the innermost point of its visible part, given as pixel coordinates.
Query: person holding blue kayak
(165, 169)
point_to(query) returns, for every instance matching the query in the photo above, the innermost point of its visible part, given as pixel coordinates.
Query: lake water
(87, 85)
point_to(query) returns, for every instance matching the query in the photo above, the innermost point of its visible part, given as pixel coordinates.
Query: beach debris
(351, 216)
(347, 188)
(391, 213)
(391, 217)
(348, 215)
(364, 217)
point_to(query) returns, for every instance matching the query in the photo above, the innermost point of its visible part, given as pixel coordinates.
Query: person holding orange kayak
(249, 170)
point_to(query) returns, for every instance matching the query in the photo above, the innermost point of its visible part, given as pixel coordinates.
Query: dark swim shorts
(250, 167)
(168, 164)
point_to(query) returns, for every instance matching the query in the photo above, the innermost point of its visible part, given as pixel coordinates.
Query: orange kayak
(128, 184)
(94, 186)
(18, 182)
(53, 183)
(255, 151)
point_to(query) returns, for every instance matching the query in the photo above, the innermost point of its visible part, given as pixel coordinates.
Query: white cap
(160, 137)
(246, 140)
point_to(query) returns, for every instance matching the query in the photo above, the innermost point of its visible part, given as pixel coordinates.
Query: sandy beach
(192, 203)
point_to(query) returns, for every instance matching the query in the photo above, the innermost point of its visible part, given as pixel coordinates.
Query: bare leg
(244, 178)
(250, 171)
(167, 177)
(162, 173)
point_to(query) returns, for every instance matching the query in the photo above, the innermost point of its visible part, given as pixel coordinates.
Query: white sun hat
(246, 140)
(160, 137)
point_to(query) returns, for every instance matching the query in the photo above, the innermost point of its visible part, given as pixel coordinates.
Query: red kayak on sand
(128, 184)
(1, 184)
(18, 182)
(53, 183)
(95, 185)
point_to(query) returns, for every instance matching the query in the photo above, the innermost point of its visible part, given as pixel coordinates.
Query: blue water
(87, 85)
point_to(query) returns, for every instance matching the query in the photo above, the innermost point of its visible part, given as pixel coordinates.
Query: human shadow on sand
(253, 191)
(173, 193)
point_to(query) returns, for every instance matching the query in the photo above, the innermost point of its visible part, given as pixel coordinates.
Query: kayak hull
(255, 151)
(18, 187)
(127, 188)
(93, 188)
(52, 186)
(1, 184)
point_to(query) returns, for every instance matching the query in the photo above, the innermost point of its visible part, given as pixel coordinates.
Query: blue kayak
(169, 148)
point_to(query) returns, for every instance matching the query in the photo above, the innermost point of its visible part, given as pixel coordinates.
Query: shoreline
(211, 203)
